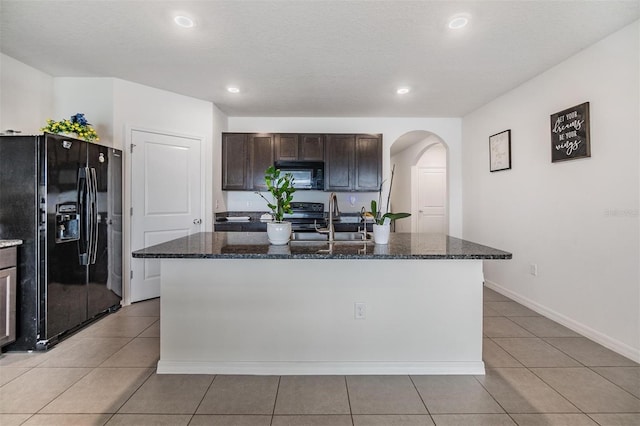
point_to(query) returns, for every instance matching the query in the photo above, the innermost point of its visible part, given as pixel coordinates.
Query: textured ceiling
(311, 58)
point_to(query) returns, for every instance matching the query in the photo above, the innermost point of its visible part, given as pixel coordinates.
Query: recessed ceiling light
(458, 22)
(184, 21)
(403, 90)
(233, 90)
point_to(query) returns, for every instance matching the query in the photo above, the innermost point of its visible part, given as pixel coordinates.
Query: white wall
(91, 96)
(115, 107)
(577, 220)
(405, 161)
(26, 97)
(145, 108)
(448, 129)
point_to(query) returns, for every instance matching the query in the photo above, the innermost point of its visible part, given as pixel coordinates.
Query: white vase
(279, 233)
(381, 233)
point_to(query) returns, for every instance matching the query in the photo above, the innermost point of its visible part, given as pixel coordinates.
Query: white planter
(381, 233)
(279, 233)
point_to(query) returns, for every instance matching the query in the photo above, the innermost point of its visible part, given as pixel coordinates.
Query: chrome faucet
(334, 213)
(363, 217)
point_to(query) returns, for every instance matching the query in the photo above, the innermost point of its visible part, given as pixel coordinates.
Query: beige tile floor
(538, 373)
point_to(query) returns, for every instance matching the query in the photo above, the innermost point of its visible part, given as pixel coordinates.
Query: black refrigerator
(63, 198)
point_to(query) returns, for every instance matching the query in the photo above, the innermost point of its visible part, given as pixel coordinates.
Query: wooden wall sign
(570, 133)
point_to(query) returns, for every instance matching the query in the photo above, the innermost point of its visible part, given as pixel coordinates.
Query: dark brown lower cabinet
(7, 295)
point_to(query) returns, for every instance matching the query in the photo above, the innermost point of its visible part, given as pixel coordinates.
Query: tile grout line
(527, 368)
(610, 381)
(346, 386)
(492, 397)
(215, 376)
(421, 398)
(556, 390)
(275, 401)
(67, 389)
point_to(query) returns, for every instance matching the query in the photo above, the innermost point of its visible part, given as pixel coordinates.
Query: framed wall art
(570, 134)
(500, 151)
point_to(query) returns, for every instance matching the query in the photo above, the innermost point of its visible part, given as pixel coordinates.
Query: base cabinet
(7, 295)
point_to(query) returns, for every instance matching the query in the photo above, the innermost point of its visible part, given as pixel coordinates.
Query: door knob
(197, 221)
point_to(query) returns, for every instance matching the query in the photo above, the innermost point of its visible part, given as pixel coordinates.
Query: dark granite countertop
(10, 243)
(254, 245)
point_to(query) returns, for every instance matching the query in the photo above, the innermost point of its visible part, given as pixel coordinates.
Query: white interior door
(166, 200)
(432, 200)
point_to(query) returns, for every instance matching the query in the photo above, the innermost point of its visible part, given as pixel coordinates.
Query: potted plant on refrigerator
(382, 222)
(281, 188)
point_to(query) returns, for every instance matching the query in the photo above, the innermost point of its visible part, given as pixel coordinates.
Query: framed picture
(570, 134)
(500, 151)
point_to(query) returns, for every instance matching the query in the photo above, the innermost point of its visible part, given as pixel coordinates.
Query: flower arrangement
(76, 124)
(281, 188)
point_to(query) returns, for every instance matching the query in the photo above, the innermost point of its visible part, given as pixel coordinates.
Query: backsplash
(247, 201)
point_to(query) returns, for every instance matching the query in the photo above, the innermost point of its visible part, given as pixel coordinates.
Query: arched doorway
(420, 182)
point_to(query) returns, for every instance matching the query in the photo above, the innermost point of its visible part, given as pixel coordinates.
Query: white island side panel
(271, 316)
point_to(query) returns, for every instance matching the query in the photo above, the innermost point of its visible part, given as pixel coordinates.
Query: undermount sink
(339, 237)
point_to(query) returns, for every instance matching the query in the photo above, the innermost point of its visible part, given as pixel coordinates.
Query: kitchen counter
(254, 245)
(348, 222)
(231, 303)
(9, 243)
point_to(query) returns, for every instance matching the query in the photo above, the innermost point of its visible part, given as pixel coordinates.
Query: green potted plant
(382, 221)
(281, 188)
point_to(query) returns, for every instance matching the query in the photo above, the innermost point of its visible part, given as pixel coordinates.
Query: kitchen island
(233, 304)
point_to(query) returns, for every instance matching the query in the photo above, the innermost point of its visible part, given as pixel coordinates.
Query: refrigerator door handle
(94, 216)
(83, 243)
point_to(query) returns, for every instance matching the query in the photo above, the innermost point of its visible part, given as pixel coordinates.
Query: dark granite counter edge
(143, 255)
(254, 245)
(10, 243)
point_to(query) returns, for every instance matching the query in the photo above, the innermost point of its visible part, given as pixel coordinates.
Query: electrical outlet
(217, 204)
(360, 310)
(533, 269)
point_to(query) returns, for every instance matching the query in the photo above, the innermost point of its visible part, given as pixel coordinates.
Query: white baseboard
(606, 341)
(321, 368)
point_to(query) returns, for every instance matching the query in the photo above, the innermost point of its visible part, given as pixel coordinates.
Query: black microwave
(306, 174)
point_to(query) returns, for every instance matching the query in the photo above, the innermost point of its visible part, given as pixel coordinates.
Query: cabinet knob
(197, 221)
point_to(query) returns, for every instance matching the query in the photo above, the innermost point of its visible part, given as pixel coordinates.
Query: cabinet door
(261, 157)
(368, 162)
(7, 306)
(311, 148)
(286, 147)
(234, 161)
(339, 162)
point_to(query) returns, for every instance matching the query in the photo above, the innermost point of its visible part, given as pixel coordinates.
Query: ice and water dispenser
(67, 222)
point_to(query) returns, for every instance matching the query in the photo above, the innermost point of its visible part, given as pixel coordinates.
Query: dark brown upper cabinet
(339, 162)
(353, 162)
(261, 154)
(234, 161)
(299, 147)
(368, 159)
(245, 158)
